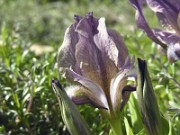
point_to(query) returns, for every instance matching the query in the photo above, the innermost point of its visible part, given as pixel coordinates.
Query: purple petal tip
(76, 18)
(89, 15)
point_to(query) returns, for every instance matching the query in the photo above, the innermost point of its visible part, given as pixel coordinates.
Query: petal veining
(92, 88)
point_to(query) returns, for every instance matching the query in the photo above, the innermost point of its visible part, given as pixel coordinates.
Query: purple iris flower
(168, 13)
(96, 60)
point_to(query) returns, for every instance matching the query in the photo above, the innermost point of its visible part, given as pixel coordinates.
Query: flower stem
(116, 125)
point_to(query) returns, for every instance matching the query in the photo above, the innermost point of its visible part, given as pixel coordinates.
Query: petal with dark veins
(118, 42)
(167, 8)
(93, 91)
(80, 95)
(66, 54)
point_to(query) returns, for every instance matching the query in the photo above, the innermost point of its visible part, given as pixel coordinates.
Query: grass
(27, 102)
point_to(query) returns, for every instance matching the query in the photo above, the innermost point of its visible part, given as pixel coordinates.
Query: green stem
(114, 118)
(116, 125)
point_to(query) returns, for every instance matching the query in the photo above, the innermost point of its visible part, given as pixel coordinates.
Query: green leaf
(142, 132)
(147, 101)
(135, 114)
(170, 128)
(70, 114)
(128, 128)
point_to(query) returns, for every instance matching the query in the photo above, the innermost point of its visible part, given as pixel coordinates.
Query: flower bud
(147, 101)
(70, 114)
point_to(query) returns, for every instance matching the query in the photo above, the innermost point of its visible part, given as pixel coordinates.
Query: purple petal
(172, 40)
(66, 55)
(173, 52)
(162, 19)
(93, 91)
(99, 55)
(141, 23)
(111, 55)
(168, 11)
(120, 45)
(128, 64)
(96, 53)
(80, 95)
(166, 37)
(110, 44)
(87, 59)
(87, 26)
(76, 94)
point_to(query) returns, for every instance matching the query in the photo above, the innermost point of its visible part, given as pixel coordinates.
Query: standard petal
(108, 54)
(141, 23)
(128, 64)
(87, 26)
(87, 55)
(111, 44)
(99, 55)
(87, 59)
(93, 91)
(118, 42)
(66, 55)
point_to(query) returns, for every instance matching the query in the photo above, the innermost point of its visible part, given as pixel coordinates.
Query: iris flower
(96, 60)
(168, 13)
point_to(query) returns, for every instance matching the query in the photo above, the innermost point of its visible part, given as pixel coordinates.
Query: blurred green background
(45, 21)
(31, 33)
